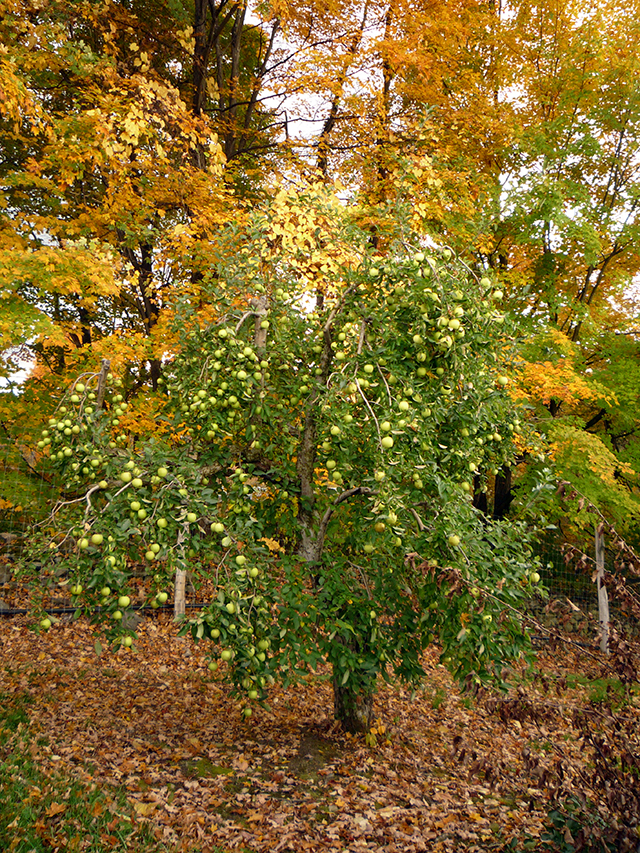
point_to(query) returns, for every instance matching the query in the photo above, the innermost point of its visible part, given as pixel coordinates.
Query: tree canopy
(433, 209)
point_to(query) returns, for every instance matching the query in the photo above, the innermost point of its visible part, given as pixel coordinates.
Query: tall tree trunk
(502, 493)
(479, 497)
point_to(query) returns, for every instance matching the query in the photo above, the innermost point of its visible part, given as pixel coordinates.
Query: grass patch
(609, 691)
(43, 810)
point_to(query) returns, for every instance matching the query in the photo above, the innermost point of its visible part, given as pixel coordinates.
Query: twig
(421, 524)
(363, 576)
(367, 404)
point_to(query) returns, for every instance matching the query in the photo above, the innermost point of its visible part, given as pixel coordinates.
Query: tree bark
(479, 497)
(354, 709)
(502, 493)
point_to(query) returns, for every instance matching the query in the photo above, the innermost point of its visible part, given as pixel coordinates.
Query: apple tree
(316, 462)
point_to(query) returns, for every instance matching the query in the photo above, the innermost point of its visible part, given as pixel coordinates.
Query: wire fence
(569, 576)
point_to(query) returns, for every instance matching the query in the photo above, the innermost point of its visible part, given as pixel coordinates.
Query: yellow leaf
(144, 809)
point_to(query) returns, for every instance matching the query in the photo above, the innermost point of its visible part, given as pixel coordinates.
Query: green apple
(241, 560)
(162, 597)
(124, 601)
(97, 539)
(387, 442)
(191, 517)
(534, 577)
(76, 589)
(127, 642)
(162, 523)
(105, 591)
(454, 540)
(45, 623)
(226, 654)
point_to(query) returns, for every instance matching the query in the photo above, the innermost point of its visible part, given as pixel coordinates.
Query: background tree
(566, 239)
(509, 135)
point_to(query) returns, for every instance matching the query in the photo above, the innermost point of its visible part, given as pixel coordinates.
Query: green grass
(43, 810)
(610, 691)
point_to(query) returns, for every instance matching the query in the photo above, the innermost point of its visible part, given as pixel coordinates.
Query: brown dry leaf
(255, 817)
(440, 772)
(55, 809)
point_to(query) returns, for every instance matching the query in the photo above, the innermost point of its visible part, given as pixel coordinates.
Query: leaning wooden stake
(603, 598)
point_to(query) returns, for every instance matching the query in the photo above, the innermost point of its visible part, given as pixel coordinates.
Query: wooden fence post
(603, 597)
(179, 606)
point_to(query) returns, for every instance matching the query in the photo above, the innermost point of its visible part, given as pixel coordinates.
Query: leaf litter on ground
(437, 772)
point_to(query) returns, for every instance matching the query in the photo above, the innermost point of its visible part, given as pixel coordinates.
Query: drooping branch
(326, 518)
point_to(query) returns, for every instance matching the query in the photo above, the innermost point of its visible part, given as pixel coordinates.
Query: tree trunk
(502, 493)
(353, 710)
(352, 707)
(479, 497)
